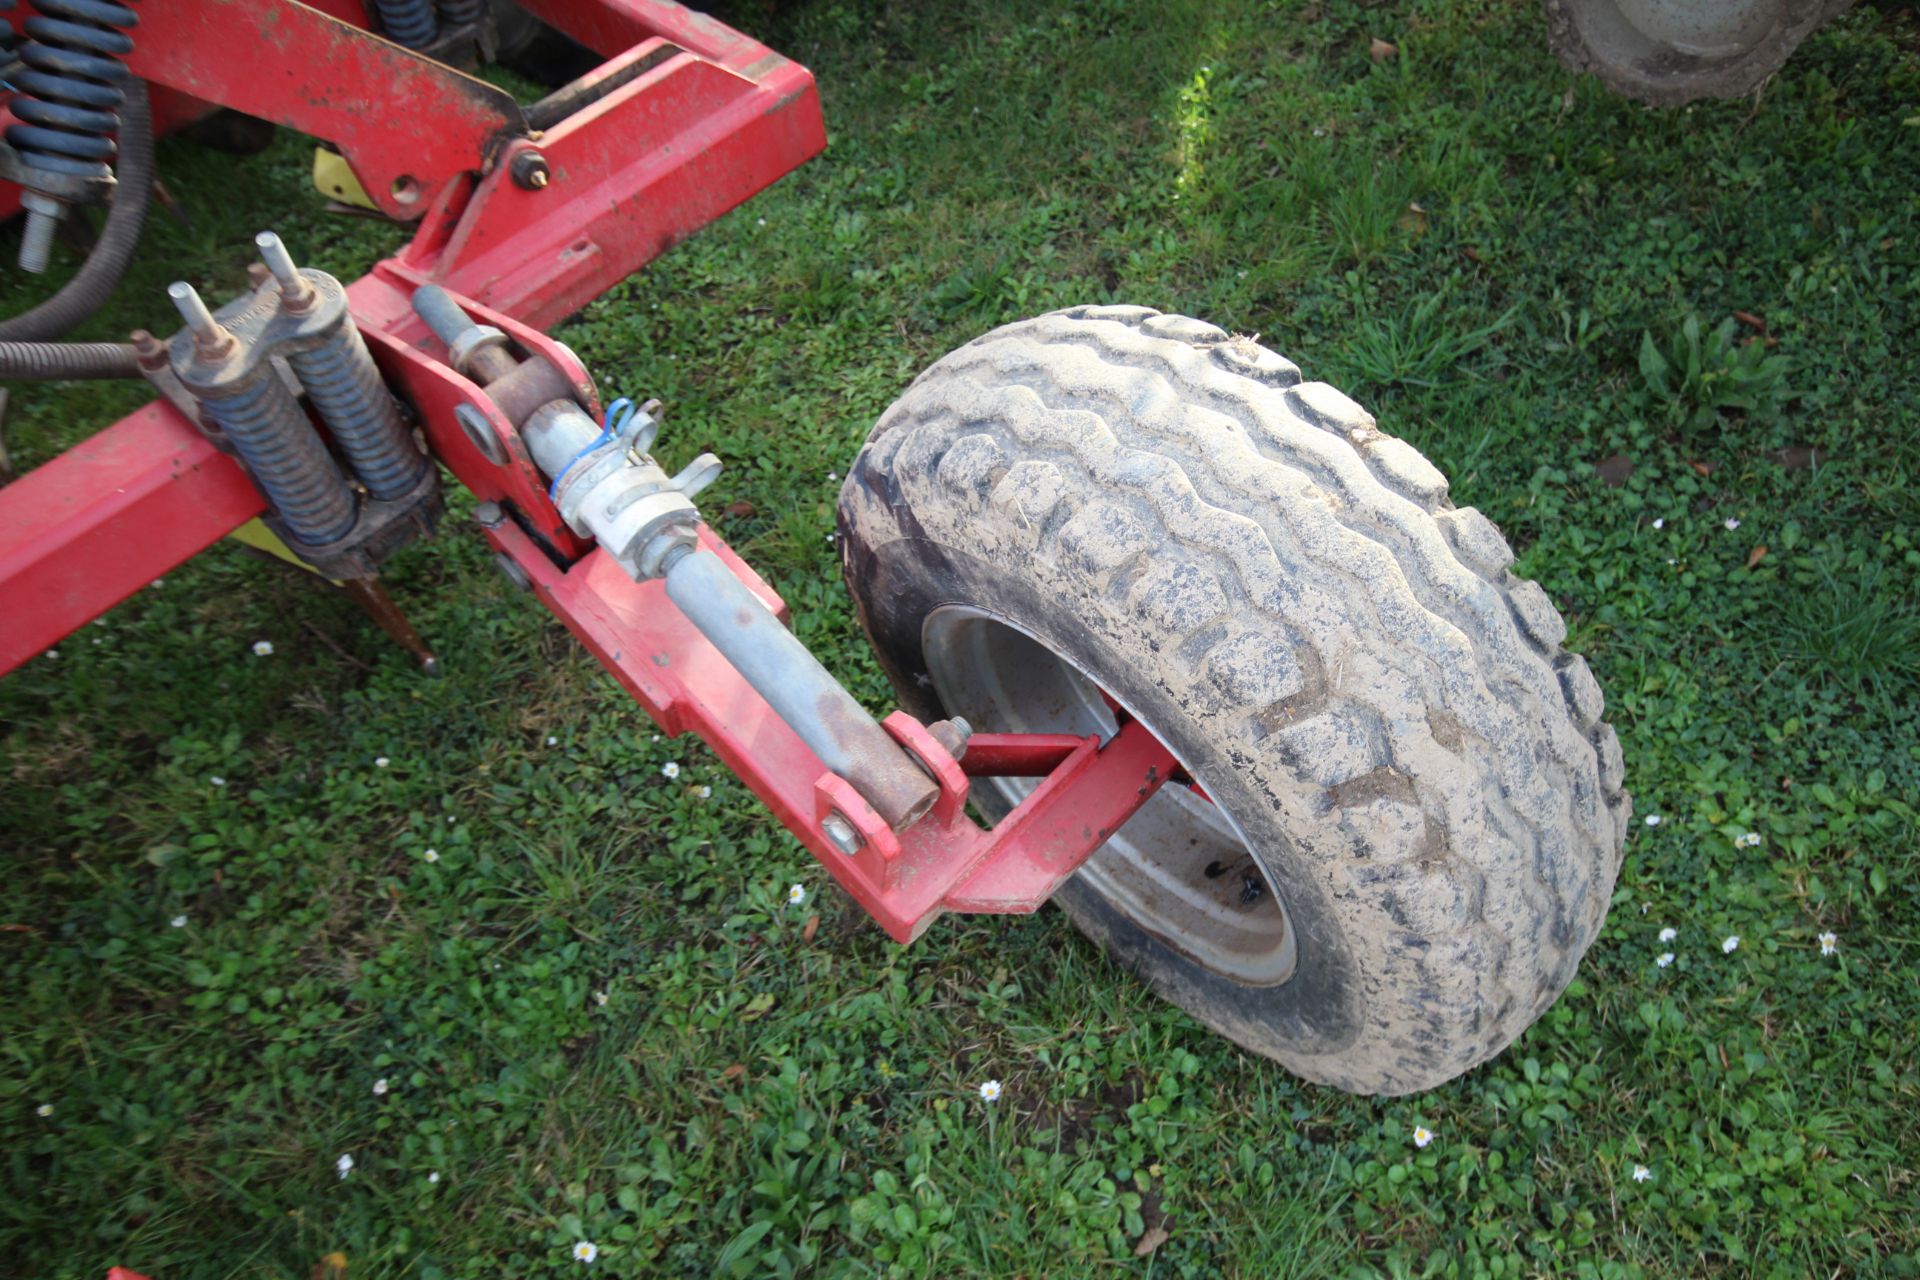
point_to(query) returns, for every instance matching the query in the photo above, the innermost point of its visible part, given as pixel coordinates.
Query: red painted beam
(407, 125)
(106, 518)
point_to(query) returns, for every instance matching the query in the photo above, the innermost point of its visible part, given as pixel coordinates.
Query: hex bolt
(951, 735)
(296, 294)
(36, 240)
(529, 170)
(148, 351)
(841, 835)
(491, 515)
(209, 335)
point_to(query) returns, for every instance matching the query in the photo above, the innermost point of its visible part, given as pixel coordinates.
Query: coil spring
(288, 462)
(70, 93)
(344, 384)
(407, 22)
(458, 13)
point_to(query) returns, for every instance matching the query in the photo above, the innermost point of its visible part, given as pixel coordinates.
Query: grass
(762, 1095)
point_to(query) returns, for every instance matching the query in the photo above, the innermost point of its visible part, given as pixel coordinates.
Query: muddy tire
(1668, 54)
(1417, 813)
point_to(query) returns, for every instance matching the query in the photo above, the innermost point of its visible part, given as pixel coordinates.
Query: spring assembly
(286, 458)
(67, 108)
(407, 22)
(268, 429)
(344, 383)
(458, 13)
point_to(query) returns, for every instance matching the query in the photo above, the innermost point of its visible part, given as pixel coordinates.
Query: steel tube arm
(801, 692)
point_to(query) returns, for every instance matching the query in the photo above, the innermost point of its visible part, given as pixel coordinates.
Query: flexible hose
(45, 361)
(100, 274)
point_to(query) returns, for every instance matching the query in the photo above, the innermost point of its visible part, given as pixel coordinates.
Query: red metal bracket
(406, 124)
(944, 862)
(701, 117)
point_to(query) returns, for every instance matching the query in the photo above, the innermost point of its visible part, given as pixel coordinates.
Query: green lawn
(242, 890)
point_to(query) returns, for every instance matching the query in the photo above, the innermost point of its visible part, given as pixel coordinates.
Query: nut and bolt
(490, 515)
(148, 351)
(841, 835)
(296, 294)
(952, 735)
(210, 337)
(529, 170)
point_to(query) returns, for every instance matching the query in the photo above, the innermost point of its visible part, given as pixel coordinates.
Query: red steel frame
(711, 119)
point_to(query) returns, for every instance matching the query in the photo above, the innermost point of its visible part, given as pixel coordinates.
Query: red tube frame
(714, 118)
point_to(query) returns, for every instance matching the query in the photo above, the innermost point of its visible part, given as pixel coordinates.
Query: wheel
(1670, 52)
(1408, 815)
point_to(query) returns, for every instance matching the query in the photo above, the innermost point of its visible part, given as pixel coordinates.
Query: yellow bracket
(254, 533)
(334, 178)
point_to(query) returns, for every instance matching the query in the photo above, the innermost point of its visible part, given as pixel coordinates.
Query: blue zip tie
(610, 429)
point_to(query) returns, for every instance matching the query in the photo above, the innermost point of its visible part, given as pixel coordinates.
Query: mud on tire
(1337, 654)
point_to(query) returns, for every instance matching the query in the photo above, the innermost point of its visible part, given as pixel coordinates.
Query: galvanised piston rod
(801, 691)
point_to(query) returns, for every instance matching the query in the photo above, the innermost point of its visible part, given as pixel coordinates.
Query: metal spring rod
(288, 462)
(345, 386)
(272, 435)
(67, 107)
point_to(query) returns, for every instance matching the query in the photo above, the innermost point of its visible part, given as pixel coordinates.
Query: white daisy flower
(586, 1250)
(431, 855)
(44, 1110)
(217, 780)
(344, 1164)
(158, 583)
(53, 653)
(989, 1091)
(1653, 819)
(552, 741)
(669, 770)
(833, 475)
(1664, 959)
(381, 762)
(704, 792)
(380, 1087)
(1642, 1174)
(1732, 944)
(1750, 840)
(263, 648)
(600, 998)
(1669, 933)
(797, 894)
(1731, 524)
(434, 1176)
(1829, 944)
(1422, 1135)
(178, 922)
(96, 639)
(1660, 523)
